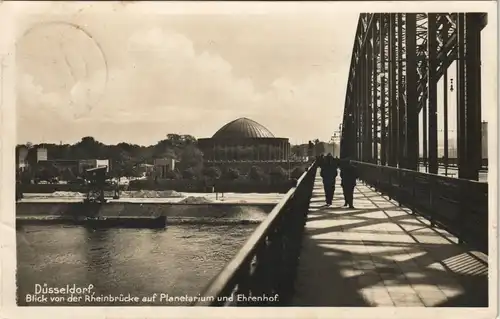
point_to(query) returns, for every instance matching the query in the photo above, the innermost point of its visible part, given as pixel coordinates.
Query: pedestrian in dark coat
(349, 175)
(329, 173)
(320, 159)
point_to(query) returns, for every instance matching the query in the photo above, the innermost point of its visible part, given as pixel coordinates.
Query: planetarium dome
(244, 140)
(243, 128)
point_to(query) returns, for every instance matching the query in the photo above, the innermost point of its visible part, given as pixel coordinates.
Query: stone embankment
(191, 211)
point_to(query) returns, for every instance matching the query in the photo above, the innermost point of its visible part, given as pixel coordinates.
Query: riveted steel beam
(412, 127)
(393, 111)
(374, 83)
(444, 32)
(396, 63)
(473, 95)
(383, 103)
(401, 94)
(432, 67)
(461, 106)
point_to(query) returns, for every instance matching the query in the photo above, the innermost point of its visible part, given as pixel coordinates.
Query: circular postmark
(67, 61)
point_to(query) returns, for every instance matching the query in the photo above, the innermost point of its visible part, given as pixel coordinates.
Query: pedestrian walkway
(379, 254)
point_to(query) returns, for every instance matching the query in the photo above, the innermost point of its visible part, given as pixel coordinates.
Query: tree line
(125, 158)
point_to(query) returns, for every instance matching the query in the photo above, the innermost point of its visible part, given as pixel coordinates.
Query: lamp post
(287, 154)
(336, 137)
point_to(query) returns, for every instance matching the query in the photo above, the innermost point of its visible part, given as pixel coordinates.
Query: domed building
(244, 140)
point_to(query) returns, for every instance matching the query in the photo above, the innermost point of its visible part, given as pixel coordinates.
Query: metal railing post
(400, 190)
(389, 187)
(413, 195)
(462, 201)
(432, 189)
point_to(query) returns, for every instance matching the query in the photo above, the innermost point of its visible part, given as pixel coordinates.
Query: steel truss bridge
(396, 64)
(304, 252)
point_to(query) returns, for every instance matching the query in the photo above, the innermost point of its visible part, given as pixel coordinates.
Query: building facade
(83, 165)
(22, 162)
(484, 139)
(145, 169)
(244, 140)
(59, 166)
(42, 154)
(162, 166)
(323, 148)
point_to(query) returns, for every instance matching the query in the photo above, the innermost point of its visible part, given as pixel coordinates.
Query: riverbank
(183, 185)
(180, 198)
(135, 221)
(54, 211)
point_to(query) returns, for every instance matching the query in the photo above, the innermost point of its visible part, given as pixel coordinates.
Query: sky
(132, 73)
(142, 76)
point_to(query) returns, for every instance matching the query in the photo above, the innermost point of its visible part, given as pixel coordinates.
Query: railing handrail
(453, 179)
(230, 271)
(460, 206)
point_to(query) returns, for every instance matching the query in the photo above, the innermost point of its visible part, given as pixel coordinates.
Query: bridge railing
(453, 162)
(457, 205)
(264, 269)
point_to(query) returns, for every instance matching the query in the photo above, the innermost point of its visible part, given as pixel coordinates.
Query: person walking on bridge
(328, 167)
(349, 175)
(320, 159)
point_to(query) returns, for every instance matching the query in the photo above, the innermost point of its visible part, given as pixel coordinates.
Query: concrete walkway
(379, 254)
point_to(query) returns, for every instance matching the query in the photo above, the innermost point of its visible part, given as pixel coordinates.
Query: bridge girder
(396, 63)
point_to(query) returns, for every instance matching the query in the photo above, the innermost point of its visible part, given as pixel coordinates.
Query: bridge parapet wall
(267, 263)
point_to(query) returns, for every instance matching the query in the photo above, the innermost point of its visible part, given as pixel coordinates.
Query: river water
(453, 172)
(177, 261)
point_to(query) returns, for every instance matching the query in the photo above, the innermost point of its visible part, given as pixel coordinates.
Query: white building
(146, 169)
(329, 147)
(22, 162)
(42, 154)
(163, 165)
(92, 163)
(484, 139)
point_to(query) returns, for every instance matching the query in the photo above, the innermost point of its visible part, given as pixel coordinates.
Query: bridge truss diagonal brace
(396, 64)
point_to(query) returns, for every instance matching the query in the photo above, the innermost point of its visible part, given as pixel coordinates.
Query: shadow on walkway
(380, 254)
(330, 288)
